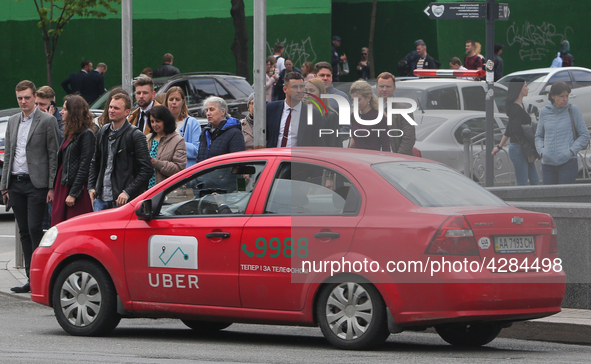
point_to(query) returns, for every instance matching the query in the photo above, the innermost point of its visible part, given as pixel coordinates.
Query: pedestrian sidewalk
(571, 326)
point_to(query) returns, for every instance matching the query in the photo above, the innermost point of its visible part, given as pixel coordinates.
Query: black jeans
(29, 205)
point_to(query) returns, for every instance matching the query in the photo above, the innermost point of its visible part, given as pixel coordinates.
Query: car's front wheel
(352, 316)
(205, 327)
(471, 335)
(85, 300)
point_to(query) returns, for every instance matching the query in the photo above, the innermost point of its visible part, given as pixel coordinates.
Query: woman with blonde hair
(366, 105)
(315, 87)
(70, 192)
(175, 101)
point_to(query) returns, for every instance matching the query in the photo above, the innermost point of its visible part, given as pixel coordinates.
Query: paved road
(29, 333)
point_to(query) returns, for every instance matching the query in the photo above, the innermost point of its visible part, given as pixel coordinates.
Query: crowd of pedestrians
(78, 165)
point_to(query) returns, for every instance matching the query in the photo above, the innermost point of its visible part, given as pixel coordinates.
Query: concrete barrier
(551, 193)
(570, 206)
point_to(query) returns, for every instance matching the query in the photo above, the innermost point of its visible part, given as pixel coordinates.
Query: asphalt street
(30, 334)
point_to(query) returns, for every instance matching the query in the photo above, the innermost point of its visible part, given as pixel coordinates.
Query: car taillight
(454, 237)
(416, 152)
(553, 239)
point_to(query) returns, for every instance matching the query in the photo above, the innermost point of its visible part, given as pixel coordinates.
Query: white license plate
(515, 244)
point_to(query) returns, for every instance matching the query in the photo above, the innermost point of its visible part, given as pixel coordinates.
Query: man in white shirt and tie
(287, 120)
(144, 95)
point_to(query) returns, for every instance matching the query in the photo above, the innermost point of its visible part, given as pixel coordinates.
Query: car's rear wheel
(85, 300)
(468, 334)
(352, 316)
(205, 327)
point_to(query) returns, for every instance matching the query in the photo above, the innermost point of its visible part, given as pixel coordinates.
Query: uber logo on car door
(167, 251)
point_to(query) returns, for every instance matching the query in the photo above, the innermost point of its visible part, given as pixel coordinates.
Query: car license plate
(515, 244)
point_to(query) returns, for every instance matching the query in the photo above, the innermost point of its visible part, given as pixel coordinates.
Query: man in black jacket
(417, 59)
(166, 69)
(120, 169)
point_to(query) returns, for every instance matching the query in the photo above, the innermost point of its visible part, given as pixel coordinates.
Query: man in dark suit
(73, 83)
(93, 85)
(287, 120)
(30, 165)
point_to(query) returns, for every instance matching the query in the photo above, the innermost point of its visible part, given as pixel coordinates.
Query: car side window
(582, 78)
(310, 189)
(474, 98)
(561, 76)
(443, 99)
(199, 90)
(477, 126)
(220, 190)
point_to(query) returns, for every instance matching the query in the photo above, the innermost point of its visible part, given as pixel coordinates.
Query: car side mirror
(144, 212)
(546, 89)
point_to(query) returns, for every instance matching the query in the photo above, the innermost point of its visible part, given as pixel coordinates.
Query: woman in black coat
(71, 196)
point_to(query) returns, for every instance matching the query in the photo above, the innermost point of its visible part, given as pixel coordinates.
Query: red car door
(309, 214)
(189, 252)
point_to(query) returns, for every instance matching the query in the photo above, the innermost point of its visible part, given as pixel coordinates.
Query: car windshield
(529, 78)
(99, 104)
(411, 94)
(434, 185)
(242, 85)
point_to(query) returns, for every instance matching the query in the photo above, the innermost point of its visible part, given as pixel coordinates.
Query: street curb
(10, 277)
(565, 333)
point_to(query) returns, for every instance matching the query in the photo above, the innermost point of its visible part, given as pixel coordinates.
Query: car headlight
(49, 237)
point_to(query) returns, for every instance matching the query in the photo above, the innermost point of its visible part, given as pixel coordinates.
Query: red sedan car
(359, 243)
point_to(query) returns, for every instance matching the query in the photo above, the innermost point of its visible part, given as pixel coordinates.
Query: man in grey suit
(30, 163)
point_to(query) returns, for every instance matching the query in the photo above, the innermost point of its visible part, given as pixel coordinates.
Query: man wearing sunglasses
(363, 66)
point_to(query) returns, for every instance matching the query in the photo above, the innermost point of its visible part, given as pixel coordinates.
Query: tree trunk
(240, 45)
(372, 67)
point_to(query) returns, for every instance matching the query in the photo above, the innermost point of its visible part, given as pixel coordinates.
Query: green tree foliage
(55, 14)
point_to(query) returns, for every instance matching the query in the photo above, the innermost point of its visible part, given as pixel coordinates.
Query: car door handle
(327, 234)
(217, 235)
(540, 100)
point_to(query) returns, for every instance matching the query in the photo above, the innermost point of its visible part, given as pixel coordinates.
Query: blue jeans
(524, 170)
(100, 205)
(563, 174)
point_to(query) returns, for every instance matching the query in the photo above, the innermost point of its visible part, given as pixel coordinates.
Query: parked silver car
(439, 138)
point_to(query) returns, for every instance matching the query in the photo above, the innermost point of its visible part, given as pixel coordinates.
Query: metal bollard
(19, 257)
(467, 135)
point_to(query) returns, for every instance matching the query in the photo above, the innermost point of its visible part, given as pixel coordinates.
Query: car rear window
(434, 185)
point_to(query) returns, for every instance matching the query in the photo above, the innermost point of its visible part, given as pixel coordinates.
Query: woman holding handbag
(562, 133)
(522, 150)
